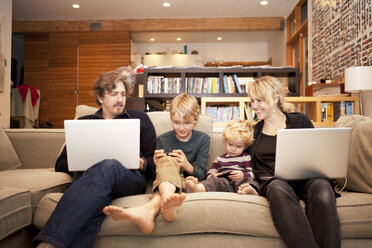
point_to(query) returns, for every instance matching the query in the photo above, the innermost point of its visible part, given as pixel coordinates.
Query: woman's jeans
(78, 216)
(318, 225)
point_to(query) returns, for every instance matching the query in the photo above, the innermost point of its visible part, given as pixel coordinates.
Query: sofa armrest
(37, 148)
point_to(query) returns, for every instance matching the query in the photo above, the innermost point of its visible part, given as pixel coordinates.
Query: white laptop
(311, 152)
(91, 141)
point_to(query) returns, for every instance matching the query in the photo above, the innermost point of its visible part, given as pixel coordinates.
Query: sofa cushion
(235, 214)
(82, 110)
(359, 175)
(15, 210)
(41, 145)
(45, 208)
(38, 181)
(11, 160)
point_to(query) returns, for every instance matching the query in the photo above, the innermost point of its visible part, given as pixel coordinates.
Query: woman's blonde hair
(239, 128)
(186, 105)
(269, 89)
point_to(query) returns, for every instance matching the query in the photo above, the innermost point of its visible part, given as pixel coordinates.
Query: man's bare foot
(170, 204)
(191, 182)
(45, 245)
(143, 215)
(246, 189)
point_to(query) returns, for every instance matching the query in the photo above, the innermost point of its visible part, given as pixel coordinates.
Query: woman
(319, 225)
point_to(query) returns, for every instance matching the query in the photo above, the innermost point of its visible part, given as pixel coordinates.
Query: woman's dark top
(263, 148)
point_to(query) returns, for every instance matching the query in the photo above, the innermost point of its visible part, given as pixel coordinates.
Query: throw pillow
(82, 110)
(9, 159)
(359, 175)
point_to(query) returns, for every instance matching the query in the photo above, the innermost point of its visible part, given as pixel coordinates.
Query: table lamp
(358, 79)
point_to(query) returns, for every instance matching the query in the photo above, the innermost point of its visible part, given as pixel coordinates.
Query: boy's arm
(201, 159)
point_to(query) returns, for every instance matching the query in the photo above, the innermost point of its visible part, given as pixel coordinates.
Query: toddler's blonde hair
(239, 128)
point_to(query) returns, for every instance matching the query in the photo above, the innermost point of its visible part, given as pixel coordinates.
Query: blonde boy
(232, 169)
(180, 153)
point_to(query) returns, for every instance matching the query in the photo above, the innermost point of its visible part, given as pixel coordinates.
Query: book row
(163, 85)
(202, 85)
(331, 111)
(222, 114)
(197, 85)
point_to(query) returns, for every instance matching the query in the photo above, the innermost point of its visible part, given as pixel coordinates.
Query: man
(78, 216)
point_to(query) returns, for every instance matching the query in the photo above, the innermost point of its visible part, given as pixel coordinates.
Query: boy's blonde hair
(186, 105)
(269, 89)
(238, 128)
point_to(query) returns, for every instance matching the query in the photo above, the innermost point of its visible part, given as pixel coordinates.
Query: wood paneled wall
(155, 25)
(63, 63)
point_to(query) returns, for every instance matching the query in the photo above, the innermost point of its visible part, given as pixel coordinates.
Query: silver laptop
(91, 141)
(311, 152)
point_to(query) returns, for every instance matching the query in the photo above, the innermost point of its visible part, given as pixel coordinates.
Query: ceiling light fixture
(166, 4)
(219, 38)
(76, 6)
(264, 2)
(152, 39)
(178, 38)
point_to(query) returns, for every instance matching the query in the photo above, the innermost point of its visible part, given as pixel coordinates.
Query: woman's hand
(182, 161)
(158, 154)
(236, 175)
(142, 162)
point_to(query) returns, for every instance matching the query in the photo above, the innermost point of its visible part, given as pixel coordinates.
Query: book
(336, 110)
(329, 111)
(323, 112)
(349, 108)
(237, 84)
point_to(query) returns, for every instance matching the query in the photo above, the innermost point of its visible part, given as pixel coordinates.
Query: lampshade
(358, 79)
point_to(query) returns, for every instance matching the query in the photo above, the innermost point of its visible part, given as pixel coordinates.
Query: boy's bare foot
(143, 215)
(45, 245)
(246, 189)
(170, 204)
(191, 182)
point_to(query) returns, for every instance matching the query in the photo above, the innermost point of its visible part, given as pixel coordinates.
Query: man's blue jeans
(78, 216)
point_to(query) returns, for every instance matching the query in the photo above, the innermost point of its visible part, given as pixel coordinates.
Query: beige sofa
(204, 220)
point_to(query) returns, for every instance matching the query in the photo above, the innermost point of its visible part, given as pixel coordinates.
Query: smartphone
(224, 174)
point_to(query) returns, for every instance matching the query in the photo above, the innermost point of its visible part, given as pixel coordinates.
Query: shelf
(313, 109)
(292, 74)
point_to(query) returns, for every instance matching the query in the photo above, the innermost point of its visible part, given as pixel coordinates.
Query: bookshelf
(312, 106)
(187, 74)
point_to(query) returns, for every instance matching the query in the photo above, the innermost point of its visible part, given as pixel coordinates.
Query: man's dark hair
(107, 82)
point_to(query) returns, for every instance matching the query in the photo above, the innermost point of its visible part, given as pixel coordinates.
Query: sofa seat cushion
(38, 181)
(223, 213)
(15, 210)
(355, 213)
(208, 212)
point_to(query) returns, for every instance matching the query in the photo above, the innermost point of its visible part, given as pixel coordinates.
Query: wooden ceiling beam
(155, 25)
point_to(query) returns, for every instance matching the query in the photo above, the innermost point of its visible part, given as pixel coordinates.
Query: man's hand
(142, 163)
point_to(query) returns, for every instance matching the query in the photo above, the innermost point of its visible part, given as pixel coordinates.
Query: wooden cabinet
(312, 106)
